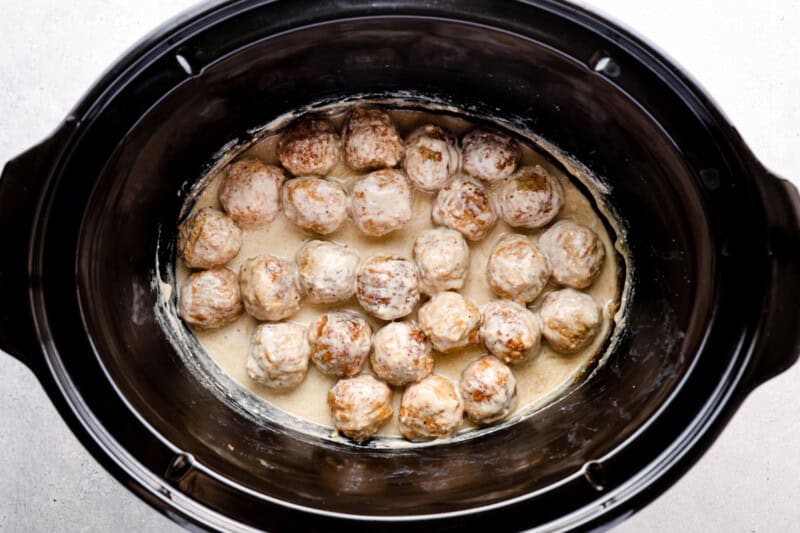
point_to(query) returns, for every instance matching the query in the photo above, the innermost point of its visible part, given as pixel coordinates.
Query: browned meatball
(442, 257)
(270, 287)
(401, 354)
(340, 343)
(464, 205)
(575, 252)
(311, 147)
(450, 321)
(570, 320)
(210, 298)
(489, 155)
(327, 271)
(360, 405)
(380, 202)
(250, 192)
(488, 390)
(371, 140)
(208, 239)
(516, 269)
(432, 157)
(387, 286)
(510, 331)
(278, 356)
(530, 199)
(429, 409)
(316, 205)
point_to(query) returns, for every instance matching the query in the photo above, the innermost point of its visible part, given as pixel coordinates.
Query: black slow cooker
(714, 237)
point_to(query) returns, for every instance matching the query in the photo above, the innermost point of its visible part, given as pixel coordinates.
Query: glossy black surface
(714, 239)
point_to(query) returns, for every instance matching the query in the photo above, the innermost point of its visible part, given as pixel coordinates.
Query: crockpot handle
(779, 345)
(21, 185)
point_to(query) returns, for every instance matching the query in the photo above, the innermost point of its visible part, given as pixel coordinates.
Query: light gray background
(746, 54)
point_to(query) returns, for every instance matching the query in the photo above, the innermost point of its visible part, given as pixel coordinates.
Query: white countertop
(746, 54)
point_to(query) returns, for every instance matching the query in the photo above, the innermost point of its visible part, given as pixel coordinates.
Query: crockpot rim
(200, 17)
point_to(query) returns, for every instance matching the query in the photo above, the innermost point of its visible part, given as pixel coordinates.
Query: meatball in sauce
(250, 192)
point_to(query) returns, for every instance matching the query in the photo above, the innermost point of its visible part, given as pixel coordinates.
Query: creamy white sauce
(539, 379)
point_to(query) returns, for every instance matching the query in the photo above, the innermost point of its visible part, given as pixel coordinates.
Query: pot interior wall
(184, 120)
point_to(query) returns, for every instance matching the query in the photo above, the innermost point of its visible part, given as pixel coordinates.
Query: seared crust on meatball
(360, 405)
(575, 252)
(278, 356)
(517, 269)
(316, 205)
(429, 409)
(442, 257)
(570, 320)
(208, 238)
(311, 147)
(270, 287)
(371, 140)
(489, 155)
(488, 390)
(250, 192)
(432, 157)
(340, 343)
(401, 354)
(530, 199)
(327, 271)
(387, 286)
(210, 298)
(464, 205)
(510, 331)
(380, 202)
(450, 321)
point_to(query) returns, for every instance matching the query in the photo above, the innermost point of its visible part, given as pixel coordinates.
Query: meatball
(360, 405)
(464, 205)
(387, 286)
(401, 354)
(488, 390)
(381, 202)
(371, 140)
(210, 298)
(575, 252)
(270, 287)
(442, 258)
(250, 192)
(315, 204)
(450, 321)
(517, 269)
(489, 155)
(530, 199)
(429, 409)
(327, 271)
(208, 239)
(432, 157)
(310, 148)
(278, 356)
(570, 320)
(340, 343)
(510, 331)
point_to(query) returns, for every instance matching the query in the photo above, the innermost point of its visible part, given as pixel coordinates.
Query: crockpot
(713, 236)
